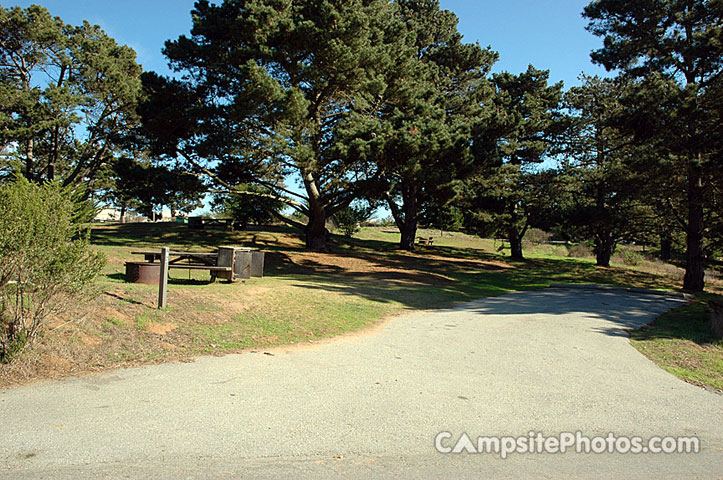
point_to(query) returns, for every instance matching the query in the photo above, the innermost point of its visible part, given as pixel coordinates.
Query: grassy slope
(303, 297)
(680, 342)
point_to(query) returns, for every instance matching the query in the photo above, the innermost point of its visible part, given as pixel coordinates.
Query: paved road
(370, 406)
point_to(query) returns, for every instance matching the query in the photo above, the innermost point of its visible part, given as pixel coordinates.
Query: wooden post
(163, 278)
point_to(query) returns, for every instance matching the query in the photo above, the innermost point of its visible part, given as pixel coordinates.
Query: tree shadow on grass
(117, 276)
(691, 322)
(127, 300)
(431, 277)
(142, 235)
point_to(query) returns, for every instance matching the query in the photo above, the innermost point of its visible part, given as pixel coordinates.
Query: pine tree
(415, 136)
(674, 49)
(266, 82)
(525, 122)
(66, 93)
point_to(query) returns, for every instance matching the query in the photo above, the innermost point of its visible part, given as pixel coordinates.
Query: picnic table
(425, 240)
(220, 264)
(203, 258)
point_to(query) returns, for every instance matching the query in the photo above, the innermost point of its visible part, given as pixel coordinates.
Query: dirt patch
(160, 328)
(116, 315)
(57, 364)
(90, 340)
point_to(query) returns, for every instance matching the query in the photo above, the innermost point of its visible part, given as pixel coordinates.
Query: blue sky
(550, 34)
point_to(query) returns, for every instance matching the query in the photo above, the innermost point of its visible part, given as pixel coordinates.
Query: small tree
(147, 187)
(45, 259)
(348, 219)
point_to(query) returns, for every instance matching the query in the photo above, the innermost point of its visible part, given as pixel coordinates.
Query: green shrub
(580, 250)
(348, 219)
(387, 222)
(630, 257)
(45, 259)
(535, 236)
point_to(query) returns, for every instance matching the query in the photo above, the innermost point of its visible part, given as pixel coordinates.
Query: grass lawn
(680, 341)
(303, 297)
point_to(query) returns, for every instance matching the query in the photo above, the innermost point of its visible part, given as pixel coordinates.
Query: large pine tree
(523, 126)
(265, 84)
(674, 49)
(416, 135)
(66, 93)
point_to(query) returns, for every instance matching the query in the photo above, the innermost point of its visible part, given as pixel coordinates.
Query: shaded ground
(682, 343)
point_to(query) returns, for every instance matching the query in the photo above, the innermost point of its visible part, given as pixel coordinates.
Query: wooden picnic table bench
(425, 240)
(204, 258)
(220, 264)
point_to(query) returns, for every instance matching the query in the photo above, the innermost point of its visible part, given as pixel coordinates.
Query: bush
(45, 259)
(387, 222)
(535, 236)
(630, 257)
(348, 219)
(580, 250)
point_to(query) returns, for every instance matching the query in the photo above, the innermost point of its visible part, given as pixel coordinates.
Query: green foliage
(45, 259)
(442, 217)
(349, 219)
(535, 236)
(250, 204)
(605, 196)
(268, 82)
(66, 93)
(387, 222)
(673, 52)
(146, 187)
(579, 250)
(630, 257)
(508, 199)
(416, 133)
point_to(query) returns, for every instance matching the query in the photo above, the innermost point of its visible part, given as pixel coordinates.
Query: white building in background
(107, 214)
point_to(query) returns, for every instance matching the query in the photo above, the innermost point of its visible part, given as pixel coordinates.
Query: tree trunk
(316, 234)
(405, 217)
(694, 279)
(666, 247)
(408, 228)
(123, 213)
(409, 233)
(604, 247)
(515, 244)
